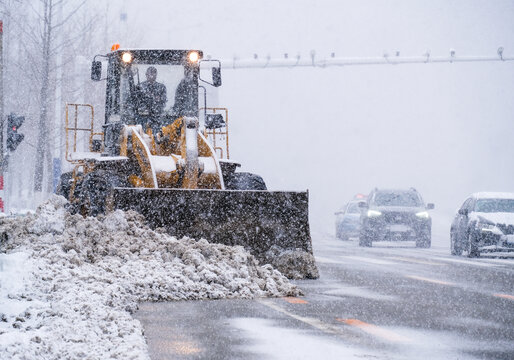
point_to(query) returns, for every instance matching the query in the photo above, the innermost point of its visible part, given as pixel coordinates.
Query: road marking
(468, 262)
(370, 260)
(294, 300)
(325, 260)
(184, 347)
(335, 330)
(440, 282)
(498, 261)
(318, 324)
(505, 296)
(375, 330)
(414, 260)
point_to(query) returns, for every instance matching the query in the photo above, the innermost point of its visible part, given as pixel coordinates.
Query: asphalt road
(391, 301)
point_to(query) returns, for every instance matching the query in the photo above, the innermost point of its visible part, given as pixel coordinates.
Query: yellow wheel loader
(161, 154)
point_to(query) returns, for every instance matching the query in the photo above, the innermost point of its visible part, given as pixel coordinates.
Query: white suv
(484, 223)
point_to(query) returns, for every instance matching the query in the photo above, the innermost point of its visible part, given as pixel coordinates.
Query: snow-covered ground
(68, 285)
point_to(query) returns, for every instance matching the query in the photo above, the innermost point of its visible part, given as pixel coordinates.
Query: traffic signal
(13, 137)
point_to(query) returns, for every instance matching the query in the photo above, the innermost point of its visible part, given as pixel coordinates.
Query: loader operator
(152, 102)
(186, 104)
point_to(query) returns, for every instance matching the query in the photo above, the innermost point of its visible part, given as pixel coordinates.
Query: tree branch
(68, 17)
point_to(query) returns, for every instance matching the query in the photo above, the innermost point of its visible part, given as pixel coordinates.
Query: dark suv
(391, 215)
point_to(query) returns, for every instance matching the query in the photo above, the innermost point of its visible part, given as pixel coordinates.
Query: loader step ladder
(216, 130)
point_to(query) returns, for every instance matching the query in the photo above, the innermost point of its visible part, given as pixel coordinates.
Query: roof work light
(193, 56)
(126, 57)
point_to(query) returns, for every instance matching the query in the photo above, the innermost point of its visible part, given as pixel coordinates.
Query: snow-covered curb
(68, 285)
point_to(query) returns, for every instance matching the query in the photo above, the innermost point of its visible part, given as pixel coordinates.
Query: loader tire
(64, 186)
(245, 181)
(96, 191)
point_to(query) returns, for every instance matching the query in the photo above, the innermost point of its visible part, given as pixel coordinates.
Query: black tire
(455, 248)
(424, 240)
(365, 240)
(472, 246)
(245, 181)
(64, 186)
(95, 190)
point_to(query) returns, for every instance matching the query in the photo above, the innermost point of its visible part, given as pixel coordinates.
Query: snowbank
(69, 284)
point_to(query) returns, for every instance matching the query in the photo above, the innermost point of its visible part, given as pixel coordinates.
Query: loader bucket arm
(272, 225)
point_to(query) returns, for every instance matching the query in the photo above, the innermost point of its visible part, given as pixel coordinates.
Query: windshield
(154, 90)
(495, 205)
(397, 199)
(353, 208)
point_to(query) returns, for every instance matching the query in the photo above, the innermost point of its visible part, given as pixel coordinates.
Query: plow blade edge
(272, 225)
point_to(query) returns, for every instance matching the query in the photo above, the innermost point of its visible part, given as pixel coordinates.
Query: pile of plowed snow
(69, 284)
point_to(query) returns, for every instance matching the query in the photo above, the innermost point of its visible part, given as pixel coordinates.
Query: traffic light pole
(2, 163)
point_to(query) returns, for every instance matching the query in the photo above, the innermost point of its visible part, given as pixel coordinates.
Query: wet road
(391, 301)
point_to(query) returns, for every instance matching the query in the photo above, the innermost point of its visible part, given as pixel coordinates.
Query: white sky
(445, 129)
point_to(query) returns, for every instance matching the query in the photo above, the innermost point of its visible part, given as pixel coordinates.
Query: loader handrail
(75, 129)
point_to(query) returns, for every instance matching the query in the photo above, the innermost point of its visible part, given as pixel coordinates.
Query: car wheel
(365, 240)
(245, 181)
(455, 248)
(338, 232)
(424, 241)
(472, 246)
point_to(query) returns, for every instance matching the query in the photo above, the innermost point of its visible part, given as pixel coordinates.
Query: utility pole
(2, 164)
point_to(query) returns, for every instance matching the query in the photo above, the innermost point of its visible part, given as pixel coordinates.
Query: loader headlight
(374, 213)
(126, 57)
(193, 56)
(423, 215)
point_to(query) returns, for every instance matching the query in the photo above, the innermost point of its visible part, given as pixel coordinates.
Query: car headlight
(423, 215)
(374, 213)
(489, 228)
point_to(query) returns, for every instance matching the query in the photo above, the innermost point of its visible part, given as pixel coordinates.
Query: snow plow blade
(271, 225)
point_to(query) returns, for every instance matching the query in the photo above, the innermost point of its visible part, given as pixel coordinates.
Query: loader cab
(151, 88)
(127, 94)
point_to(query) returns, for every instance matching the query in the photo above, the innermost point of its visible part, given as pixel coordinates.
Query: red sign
(1, 27)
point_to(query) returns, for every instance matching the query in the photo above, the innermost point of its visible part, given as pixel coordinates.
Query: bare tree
(50, 25)
(48, 44)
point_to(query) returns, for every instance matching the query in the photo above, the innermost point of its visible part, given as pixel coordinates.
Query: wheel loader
(161, 153)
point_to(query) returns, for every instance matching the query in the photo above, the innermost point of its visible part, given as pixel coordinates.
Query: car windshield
(397, 199)
(495, 205)
(353, 208)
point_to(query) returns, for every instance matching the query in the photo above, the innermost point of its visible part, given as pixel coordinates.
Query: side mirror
(214, 121)
(216, 76)
(96, 145)
(363, 205)
(430, 206)
(96, 70)
(463, 212)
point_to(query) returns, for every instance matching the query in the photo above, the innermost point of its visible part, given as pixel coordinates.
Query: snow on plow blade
(272, 225)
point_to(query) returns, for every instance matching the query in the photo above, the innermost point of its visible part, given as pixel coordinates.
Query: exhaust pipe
(192, 164)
